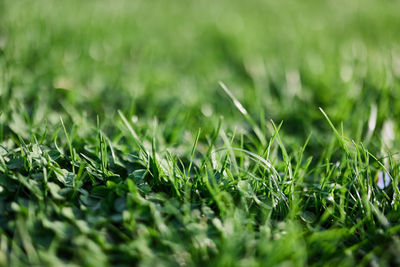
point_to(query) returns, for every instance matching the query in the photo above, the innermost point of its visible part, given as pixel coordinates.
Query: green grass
(189, 133)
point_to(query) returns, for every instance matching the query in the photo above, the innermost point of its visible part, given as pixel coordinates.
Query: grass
(188, 133)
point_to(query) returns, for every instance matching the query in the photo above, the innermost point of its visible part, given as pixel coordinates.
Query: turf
(189, 133)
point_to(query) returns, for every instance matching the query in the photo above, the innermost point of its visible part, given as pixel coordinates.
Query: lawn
(199, 133)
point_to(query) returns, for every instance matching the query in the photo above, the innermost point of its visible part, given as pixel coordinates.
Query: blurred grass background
(155, 58)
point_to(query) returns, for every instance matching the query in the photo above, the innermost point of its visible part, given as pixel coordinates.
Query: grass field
(199, 133)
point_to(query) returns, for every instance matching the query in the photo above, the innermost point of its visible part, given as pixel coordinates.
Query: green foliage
(226, 133)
